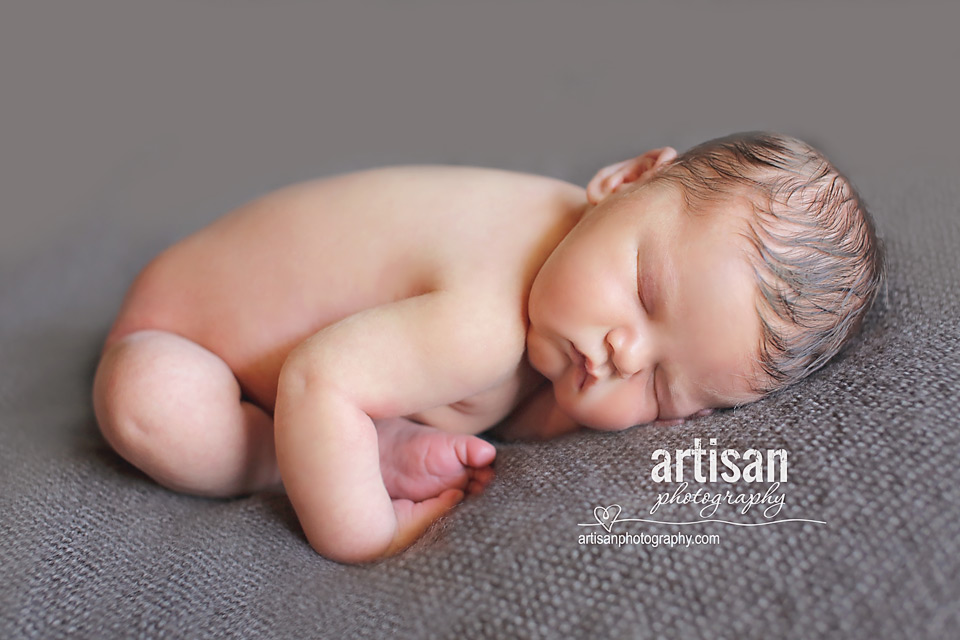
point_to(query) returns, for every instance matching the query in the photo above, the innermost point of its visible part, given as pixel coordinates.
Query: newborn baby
(350, 336)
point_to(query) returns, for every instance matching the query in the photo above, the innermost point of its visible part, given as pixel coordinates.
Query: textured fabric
(90, 548)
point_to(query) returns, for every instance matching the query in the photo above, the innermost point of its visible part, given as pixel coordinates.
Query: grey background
(200, 105)
(126, 125)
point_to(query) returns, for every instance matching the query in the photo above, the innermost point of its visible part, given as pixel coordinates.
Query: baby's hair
(815, 251)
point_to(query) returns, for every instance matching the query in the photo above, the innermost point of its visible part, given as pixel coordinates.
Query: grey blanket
(91, 548)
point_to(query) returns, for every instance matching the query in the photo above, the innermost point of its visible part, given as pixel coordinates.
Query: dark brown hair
(812, 245)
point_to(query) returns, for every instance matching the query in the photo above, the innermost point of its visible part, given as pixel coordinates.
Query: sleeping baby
(349, 337)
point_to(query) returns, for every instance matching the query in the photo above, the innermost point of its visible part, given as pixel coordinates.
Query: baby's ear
(611, 178)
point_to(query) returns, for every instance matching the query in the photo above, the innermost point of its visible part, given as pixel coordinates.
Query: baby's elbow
(308, 369)
(299, 371)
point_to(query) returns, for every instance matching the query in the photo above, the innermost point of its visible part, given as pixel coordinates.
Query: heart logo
(606, 516)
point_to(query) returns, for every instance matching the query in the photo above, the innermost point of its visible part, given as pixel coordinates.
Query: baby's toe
(479, 479)
(475, 452)
(474, 488)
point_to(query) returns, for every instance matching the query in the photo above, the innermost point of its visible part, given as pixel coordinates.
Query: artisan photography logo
(720, 498)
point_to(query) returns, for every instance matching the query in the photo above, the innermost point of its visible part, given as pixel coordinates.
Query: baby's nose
(628, 352)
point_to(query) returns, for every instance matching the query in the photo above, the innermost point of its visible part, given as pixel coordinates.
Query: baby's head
(765, 256)
(813, 247)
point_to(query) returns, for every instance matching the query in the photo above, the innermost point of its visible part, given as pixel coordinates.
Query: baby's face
(645, 312)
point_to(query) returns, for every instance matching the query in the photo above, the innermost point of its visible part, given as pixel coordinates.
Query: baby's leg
(172, 408)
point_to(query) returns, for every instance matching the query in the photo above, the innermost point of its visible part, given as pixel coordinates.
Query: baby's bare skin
(431, 258)
(257, 282)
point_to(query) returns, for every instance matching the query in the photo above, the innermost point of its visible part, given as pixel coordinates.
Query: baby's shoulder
(473, 222)
(446, 199)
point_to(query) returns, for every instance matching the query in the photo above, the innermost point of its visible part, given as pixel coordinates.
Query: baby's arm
(388, 361)
(538, 418)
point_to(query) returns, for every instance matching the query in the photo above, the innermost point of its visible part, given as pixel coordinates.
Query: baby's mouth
(587, 381)
(584, 379)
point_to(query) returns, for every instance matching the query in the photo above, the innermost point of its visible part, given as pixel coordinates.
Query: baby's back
(258, 281)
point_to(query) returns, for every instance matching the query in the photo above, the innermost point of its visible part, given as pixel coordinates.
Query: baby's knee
(151, 400)
(125, 387)
(113, 392)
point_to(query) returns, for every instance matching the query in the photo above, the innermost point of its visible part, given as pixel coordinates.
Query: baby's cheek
(542, 357)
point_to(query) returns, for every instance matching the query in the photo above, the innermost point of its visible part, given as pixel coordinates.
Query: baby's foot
(419, 462)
